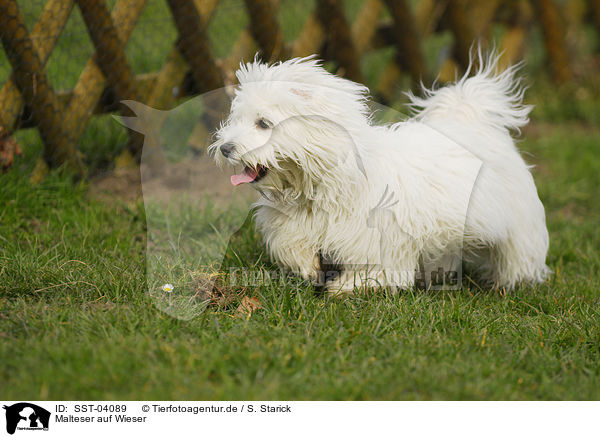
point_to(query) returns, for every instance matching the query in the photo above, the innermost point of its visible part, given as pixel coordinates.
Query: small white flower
(168, 288)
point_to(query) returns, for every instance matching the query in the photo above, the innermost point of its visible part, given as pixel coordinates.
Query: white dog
(445, 188)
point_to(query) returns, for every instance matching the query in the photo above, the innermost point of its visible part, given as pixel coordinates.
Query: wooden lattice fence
(27, 98)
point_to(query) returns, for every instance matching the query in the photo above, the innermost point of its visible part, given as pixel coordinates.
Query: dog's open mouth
(249, 175)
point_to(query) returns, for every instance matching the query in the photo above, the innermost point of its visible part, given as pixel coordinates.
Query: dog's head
(292, 126)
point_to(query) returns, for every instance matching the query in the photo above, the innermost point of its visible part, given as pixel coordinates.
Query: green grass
(77, 322)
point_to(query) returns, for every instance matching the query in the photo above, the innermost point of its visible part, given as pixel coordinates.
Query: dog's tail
(490, 96)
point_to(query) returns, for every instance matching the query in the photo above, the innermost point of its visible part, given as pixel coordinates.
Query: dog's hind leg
(516, 260)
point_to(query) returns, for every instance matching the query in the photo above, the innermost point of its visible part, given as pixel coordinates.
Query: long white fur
(447, 185)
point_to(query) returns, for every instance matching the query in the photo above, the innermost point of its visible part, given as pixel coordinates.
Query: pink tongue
(248, 175)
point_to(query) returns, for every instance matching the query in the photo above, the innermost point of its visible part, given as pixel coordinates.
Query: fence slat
(91, 83)
(365, 24)
(194, 45)
(110, 57)
(481, 15)
(460, 25)
(427, 16)
(145, 84)
(407, 39)
(265, 29)
(311, 37)
(244, 49)
(44, 35)
(28, 99)
(331, 15)
(172, 74)
(554, 39)
(110, 53)
(35, 88)
(595, 10)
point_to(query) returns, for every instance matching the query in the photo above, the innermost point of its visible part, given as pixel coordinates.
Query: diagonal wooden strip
(517, 18)
(427, 13)
(110, 57)
(595, 11)
(331, 15)
(47, 29)
(481, 15)
(365, 25)
(194, 45)
(145, 83)
(456, 19)
(554, 39)
(265, 29)
(91, 83)
(44, 35)
(467, 20)
(110, 53)
(460, 25)
(408, 44)
(165, 86)
(425, 17)
(363, 30)
(35, 88)
(243, 50)
(85, 97)
(173, 72)
(311, 37)
(511, 46)
(162, 95)
(388, 81)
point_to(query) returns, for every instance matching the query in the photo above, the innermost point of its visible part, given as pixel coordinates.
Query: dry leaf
(9, 149)
(220, 293)
(247, 307)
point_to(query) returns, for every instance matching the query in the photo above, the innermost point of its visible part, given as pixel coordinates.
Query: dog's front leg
(299, 258)
(288, 241)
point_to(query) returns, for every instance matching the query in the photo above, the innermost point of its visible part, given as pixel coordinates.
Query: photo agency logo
(24, 416)
(200, 223)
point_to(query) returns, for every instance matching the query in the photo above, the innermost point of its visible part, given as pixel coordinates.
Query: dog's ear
(305, 94)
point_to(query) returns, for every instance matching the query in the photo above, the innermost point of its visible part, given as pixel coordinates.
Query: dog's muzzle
(227, 149)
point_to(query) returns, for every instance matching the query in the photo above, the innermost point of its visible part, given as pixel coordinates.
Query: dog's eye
(263, 123)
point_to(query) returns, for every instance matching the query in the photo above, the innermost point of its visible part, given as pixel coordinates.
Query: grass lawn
(76, 321)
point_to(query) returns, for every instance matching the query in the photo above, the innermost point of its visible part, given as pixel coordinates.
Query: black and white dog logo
(26, 416)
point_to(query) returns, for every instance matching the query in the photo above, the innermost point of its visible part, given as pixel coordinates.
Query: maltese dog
(390, 205)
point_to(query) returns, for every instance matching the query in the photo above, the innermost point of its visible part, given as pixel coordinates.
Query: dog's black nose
(227, 148)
